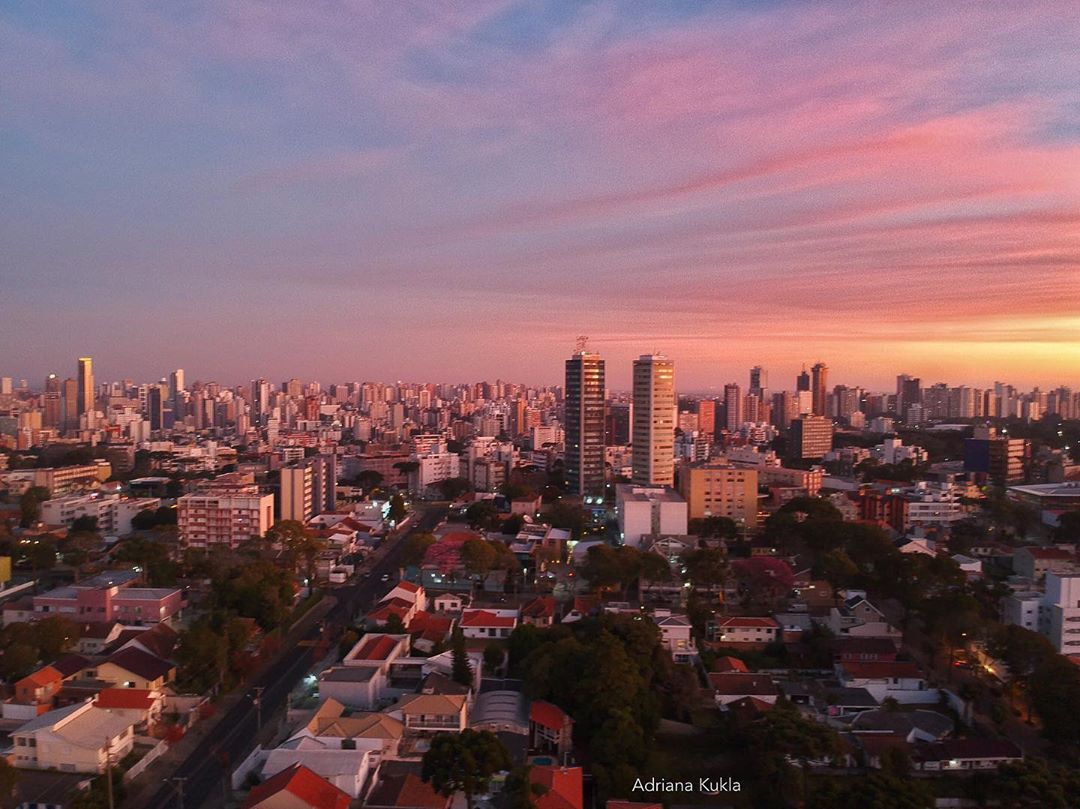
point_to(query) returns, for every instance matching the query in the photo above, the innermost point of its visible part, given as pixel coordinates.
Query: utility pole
(257, 699)
(177, 782)
(108, 770)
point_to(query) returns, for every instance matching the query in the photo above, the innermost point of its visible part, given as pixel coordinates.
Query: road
(202, 774)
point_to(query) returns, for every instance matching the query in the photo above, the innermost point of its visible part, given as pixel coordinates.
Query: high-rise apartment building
(706, 411)
(584, 457)
(733, 407)
(228, 510)
(802, 381)
(176, 390)
(86, 387)
(819, 387)
(719, 490)
(298, 492)
(810, 437)
(654, 421)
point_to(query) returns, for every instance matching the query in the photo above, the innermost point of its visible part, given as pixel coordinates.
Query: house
(407, 591)
(972, 568)
(958, 755)
(38, 689)
(1035, 563)
(429, 630)
(347, 770)
(748, 709)
(333, 728)
(900, 679)
(431, 713)
(78, 738)
(134, 668)
(850, 649)
(450, 602)
(159, 640)
(550, 728)
(564, 787)
(398, 608)
(582, 607)
(539, 612)
(96, 636)
(730, 687)
(139, 706)
(401, 787)
(482, 623)
(19, 610)
(676, 635)
(297, 787)
(857, 616)
(746, 629)
(362, 679)
(729, 664)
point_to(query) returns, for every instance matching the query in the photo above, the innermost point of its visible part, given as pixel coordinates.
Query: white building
(1059, 615)
(78, 738)
(112, 512)
(644, 511)
(1022, 609)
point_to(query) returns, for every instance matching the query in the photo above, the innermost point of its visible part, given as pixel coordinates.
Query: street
(199, 780)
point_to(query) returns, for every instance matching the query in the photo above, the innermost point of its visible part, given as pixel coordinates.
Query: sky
(456, 191)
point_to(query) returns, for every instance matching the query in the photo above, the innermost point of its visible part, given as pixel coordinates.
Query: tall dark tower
(585, 412)
(819, 387)
(802, 381)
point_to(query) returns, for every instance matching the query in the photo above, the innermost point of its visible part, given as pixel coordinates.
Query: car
(385, 577)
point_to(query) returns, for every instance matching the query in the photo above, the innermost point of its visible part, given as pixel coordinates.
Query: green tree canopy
(463, 762)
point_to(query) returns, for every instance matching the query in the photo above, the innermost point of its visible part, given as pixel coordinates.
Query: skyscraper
(759, 380)
(86, 385)
(176, 387)
(51, 402)
(733, 407)
(654, 421)
(802, 381)
(819, 388)
(71, 404)
(155, 406)
(585, 423)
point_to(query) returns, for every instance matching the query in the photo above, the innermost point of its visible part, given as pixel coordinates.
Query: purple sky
(392, 190)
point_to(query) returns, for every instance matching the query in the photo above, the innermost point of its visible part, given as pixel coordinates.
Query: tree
(606, 567)
(1023, 651)
(414, 547)
(203, 657)
(706, 568)
(54, 635)
(41, 554)
(1068, 528)
(85, 523)
(493, 656)
(463, 762)
(512, 525)
(153, 557)
(30, 505)
(298, 543)
(482, 515)
(368, 479)
(18, 660)
(520, 790)
(567, 514)
(9, 779)
(397, 508)
(460, 668)
(453, 488)
(478, 556)
(716, 527)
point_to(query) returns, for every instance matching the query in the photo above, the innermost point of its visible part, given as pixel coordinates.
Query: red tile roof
(125, 698)
(729, 664)
(548, 715)
(43, 676)
(564, 785)
(376, 647)
(747, 621)
(303, 784)
(408, 585)
(729, 684)
(471, 618)
(539, 607)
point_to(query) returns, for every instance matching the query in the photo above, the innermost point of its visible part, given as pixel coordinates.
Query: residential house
(450, 602)
(550, 729)
(563, 787)
(745, 629)
(134, 668)
(347, 770)
(731, 686)
(960, 755)
(96, 636)
(401, 787)
(1035, 563)
(431, 713)
(139, 706)
(297, 787)
(676, 635)
(850, 649)
(37, 690)
(429, 630)
(78, 738)
(484, 623)
(501, 711)
(362, 679)
(900, 679)
(857, 616)
(582, 607)
(334, 728)
(539, 612)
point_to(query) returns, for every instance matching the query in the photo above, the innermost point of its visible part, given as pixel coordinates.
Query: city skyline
(413, 192)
